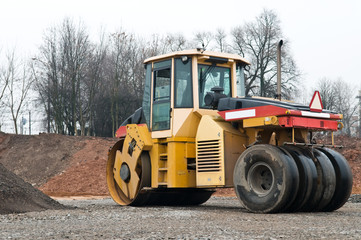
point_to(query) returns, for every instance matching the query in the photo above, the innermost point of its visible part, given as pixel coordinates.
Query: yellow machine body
(179, 145)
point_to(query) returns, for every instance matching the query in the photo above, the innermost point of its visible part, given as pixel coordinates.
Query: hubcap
(261, 178)
(125, 172)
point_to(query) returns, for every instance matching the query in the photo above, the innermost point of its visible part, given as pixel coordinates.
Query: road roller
(196, 132)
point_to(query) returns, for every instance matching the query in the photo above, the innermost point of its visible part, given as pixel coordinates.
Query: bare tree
(257, 41)
(203, 39)
(345, 103)
(4, 81)
(156, 46)
(162, 44)
(84, 84)
(125, 74)
(175, 42)
(220, 38)
(75, 47)
(61, 66)
(119, 43)
(46, 69)
(19, 82)
(339, 96)
(327, 91)
(95, 74)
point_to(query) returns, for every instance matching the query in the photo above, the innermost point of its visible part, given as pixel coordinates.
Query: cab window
(210, 76)
(183, 97)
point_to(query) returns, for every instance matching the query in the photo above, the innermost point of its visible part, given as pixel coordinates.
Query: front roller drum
(126, 190)
(266, 179)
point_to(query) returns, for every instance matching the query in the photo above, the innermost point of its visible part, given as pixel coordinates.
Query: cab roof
(198, 52)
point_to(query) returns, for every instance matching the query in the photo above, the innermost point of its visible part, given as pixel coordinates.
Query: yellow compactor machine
(196, 131)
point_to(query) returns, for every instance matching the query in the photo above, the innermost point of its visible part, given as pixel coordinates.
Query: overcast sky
(325, 36)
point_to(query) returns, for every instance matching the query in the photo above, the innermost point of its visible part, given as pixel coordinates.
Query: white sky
(325, 35)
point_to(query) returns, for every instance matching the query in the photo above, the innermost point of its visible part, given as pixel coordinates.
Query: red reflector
(316, 103)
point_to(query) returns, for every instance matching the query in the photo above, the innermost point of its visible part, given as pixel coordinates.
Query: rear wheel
(326, 181)
(343, 179)
(265, 179)
(308, 178)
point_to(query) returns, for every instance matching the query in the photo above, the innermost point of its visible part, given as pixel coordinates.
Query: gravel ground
(219, 218)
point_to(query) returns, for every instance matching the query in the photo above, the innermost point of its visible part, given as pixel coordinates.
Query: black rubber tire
(265, 179)
(308, 178)
(309, 203)
(326, 181)
(343, 180)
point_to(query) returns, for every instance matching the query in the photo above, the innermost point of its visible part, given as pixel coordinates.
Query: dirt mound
(17, 196)
(71, 165)
(86, 172)
(37, 158)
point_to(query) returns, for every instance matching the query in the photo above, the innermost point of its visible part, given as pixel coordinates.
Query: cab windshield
(210, 76)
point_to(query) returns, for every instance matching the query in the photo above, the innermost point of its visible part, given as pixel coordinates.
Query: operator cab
(187, 84)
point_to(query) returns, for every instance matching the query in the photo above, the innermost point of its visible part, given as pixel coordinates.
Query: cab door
(161, 101)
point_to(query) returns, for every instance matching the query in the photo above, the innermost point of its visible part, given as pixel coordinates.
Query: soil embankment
(17, 196)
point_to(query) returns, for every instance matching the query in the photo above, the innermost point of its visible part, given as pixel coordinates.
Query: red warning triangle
(316, 103)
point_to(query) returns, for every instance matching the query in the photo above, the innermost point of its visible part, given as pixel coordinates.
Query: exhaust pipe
(279, 70)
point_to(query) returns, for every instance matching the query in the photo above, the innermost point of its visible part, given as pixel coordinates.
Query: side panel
(155, 163)
(171, 160)
(234, 145)
(179, 176)
(218, 146)
(185, 122)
